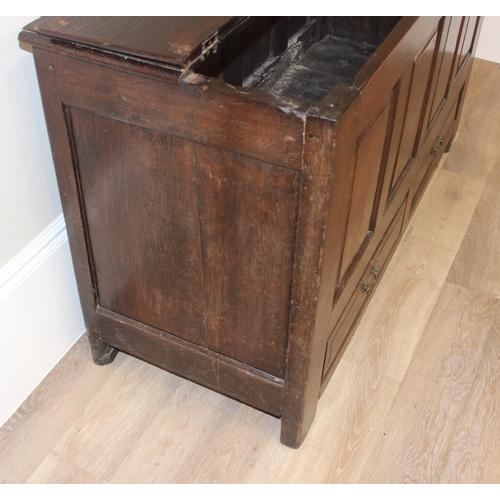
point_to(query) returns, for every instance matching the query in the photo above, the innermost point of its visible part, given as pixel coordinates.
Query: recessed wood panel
(189, 239)
(464, 48)
(411, 107)
(447, 53)
(369, 161)
(142, 214)
(248, 213)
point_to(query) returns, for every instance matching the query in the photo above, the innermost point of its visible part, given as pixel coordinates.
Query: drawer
(364, 290)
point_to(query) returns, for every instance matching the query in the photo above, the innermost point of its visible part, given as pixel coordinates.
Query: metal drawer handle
(370, 282)
(437, 145)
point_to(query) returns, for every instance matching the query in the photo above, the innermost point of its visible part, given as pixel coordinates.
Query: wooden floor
(416, 398)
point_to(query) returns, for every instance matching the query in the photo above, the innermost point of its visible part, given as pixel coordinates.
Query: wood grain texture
(69, 188)
(36, 427)
(233, 243)
(193, 362)
(454, 371)
(473, 456)
(345, 327)
(421, 427)
(166, 39)
(448, 337)
(477, 86)
(449, 203)
(478, 259)
(447, 48)
(305, 350)
(237, 454)
(370, 160)
(215, 237)
(474, 154)
(174, 440)
(469, 28)
(55, 470)
(104, 434)
(247, 216)
(349, 412)
(158, 280)
(395, 319)
(202, 114)
(412, 89)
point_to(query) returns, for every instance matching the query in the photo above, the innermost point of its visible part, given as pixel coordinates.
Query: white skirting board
(40, 315)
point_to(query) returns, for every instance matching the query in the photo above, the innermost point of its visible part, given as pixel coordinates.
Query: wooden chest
(235, 187)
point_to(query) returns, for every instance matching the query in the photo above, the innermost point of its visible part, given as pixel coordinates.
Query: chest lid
(172, 40)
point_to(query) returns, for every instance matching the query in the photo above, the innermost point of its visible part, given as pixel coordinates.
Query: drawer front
(363, 291)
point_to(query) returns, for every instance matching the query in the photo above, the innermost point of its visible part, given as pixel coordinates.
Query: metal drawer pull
(370, 282)
(437, 145)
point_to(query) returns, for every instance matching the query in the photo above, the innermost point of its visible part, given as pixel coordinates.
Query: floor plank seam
(474, 290)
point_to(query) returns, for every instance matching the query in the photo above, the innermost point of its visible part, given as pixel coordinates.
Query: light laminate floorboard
(422, 425)
(37, 426)
(416, 397)
(55, 470)
(477, 264)
(104, 434)
(475, 149)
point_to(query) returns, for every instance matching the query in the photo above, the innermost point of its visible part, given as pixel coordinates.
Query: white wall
(40, 316)
(489, 41)
(40, 319)
(29, 201)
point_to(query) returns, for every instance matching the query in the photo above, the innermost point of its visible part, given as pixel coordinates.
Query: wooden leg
(294, 429)
(102, 353)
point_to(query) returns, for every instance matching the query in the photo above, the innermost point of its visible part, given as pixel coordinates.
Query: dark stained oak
(159, 280)
(217, 372)
(247, 216)
(235, 187)
(200, 114)
(305, 346)
(69, 187)
(172, 39)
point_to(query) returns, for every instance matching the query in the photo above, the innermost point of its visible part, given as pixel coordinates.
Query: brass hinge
(209, 46)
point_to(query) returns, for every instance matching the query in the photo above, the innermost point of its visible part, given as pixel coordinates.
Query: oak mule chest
(234, 188)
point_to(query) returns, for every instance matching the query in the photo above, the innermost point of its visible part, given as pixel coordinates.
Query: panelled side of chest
(182, 217)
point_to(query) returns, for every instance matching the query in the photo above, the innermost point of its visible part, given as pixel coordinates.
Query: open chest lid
(175, 41)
